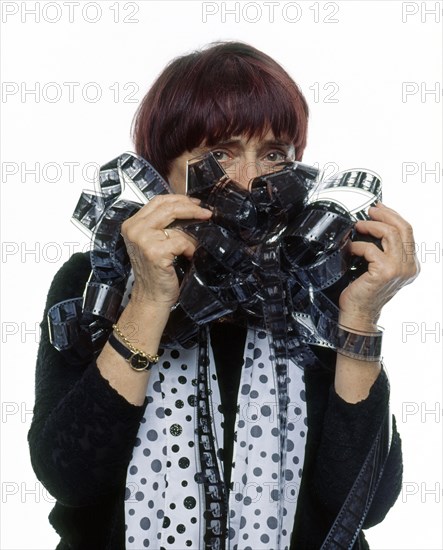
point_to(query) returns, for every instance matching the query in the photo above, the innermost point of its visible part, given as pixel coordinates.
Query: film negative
(63, 325)
(203, 173)
(308, 220)
(275, 255)
(141, 177)
(215, 496)
(92, 204)
(109, 257)
(102, 300)
(355, 190)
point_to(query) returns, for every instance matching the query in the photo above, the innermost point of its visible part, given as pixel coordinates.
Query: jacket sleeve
(347, 435)
(83, 431)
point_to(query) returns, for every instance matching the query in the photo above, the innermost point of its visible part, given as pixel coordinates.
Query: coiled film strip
(276, 254)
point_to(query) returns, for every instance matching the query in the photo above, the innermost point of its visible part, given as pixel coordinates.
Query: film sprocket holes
(305, 221)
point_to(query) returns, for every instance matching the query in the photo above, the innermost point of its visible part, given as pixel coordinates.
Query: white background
(351, 59)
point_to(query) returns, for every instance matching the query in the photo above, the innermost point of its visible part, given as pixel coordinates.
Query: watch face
(139, 362)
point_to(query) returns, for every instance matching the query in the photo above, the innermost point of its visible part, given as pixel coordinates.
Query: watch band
(138, 360)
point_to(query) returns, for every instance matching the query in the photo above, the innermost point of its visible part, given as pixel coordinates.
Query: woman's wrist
(143, 323)
(358, 322)
(356, 372)
(359, 338)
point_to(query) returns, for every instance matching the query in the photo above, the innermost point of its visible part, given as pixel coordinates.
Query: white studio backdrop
(73, 74)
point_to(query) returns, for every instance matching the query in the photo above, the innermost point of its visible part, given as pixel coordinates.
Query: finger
(157, 219)
(369, 251)
(168, 255)
(389, 216)
(159, 249)
(384, 266)
(389, 235)
(163, 210)
(393, 218)
(175, 234)
(381, 270)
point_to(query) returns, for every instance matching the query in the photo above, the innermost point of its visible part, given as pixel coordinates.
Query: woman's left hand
(388, 270)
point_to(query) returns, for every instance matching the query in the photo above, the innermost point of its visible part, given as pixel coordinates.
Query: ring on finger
(167, 235)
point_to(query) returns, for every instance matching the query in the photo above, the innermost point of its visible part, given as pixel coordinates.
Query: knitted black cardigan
(83, 432)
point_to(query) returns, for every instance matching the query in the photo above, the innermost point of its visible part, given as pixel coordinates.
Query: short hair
(225, 89)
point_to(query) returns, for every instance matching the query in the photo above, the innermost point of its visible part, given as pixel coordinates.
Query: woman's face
(242, 159)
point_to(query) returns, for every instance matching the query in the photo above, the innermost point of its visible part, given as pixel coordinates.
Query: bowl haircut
(227, 89)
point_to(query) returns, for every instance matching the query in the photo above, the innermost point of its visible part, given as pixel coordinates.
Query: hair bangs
(245, 102)
(230, 89)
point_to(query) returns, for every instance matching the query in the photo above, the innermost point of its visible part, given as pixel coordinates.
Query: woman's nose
(243, 171)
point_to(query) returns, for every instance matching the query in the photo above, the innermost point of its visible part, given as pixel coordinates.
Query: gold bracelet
(151, 358)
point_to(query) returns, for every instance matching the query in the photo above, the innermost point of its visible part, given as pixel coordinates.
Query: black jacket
(83, 432)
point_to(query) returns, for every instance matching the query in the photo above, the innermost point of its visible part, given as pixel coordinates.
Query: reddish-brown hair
(227, 89)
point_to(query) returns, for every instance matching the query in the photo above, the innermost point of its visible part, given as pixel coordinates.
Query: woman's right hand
(152, 250)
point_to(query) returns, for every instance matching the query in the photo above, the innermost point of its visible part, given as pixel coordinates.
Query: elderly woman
(118, 446)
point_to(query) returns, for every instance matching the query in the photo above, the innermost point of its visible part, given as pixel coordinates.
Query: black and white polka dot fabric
(163, 503)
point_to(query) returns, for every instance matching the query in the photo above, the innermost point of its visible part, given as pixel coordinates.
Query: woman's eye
(276, 156)
(221, 156)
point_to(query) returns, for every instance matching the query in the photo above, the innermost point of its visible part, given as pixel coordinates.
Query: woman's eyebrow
(228, 142)
(262, 144)
(238, 143)
(275, 143)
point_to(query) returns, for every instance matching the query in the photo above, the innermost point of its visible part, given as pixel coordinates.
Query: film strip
(347, 525)
(214, 490)
(354, 190)
(276, 325)
(312, 243)
(276, 254)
